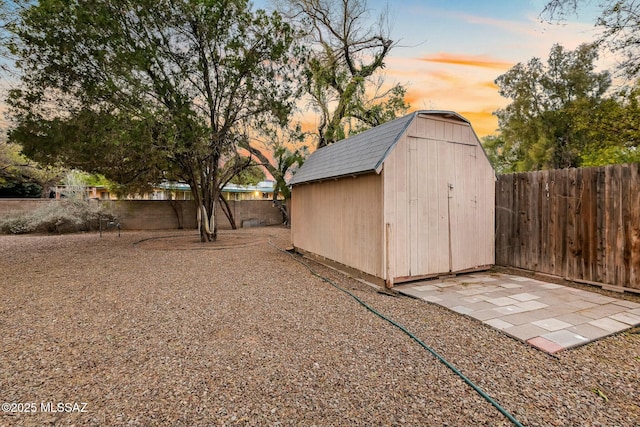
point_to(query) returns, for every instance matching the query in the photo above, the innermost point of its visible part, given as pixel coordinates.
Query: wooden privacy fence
(580, 224)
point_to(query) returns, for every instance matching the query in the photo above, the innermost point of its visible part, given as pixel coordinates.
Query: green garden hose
(412, 336)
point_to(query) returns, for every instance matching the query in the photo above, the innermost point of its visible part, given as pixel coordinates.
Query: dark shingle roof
(362, 153)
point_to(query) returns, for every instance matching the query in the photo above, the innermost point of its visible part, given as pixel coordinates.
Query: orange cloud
(412, 97)
(483, 122)
(466, 60)
(443, 76)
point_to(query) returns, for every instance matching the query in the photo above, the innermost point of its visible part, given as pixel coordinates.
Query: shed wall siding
(341, 220)
(438, 192)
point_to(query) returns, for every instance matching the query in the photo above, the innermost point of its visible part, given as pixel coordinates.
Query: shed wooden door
(442, 206)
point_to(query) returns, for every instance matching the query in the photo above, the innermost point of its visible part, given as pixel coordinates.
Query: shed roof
(361, 153)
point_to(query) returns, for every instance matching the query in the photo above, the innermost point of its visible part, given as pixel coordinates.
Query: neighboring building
(100, 192)
(409, 199)
(92, 192)
(180, 191)
(262, 191)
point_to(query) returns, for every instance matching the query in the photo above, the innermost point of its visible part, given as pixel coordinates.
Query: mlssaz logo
(80, 407)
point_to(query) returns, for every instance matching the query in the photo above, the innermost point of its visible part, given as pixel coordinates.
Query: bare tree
(620, 23)
(281, 152)
(350, 43)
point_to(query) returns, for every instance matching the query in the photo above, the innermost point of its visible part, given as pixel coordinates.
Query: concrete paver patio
(548, 316)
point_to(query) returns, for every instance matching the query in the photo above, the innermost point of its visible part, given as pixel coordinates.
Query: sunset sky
(450, 52)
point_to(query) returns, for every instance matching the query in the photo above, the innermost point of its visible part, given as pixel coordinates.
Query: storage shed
(409, 199)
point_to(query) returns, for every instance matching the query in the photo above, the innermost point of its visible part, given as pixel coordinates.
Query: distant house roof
(263, 186)
(361, 153)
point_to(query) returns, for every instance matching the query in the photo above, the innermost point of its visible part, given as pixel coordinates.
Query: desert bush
(72, 213)
(63, 216)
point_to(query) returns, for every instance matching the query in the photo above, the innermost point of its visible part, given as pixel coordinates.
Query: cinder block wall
(151, 214)
(159, 214)
(13, 206)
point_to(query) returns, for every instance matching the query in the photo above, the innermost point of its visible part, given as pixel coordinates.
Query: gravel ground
(158, 329)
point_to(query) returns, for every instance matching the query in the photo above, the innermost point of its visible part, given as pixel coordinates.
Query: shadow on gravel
(227, 239)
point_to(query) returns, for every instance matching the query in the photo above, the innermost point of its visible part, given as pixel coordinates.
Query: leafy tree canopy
(564, 114)
(142, 91)
(22, 177)
(251, 173)
(281, 151)
(614, 130)
(546, 124)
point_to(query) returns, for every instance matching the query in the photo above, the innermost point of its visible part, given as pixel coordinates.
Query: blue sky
(456, 49)
(450, 52)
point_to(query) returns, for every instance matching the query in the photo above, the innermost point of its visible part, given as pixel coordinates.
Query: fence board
(625, 232)
(521, 207)
(634, 220)
(570, 259)
(561, 224)
(545, 227)
(553, 216)
(581, 224)
(588, 239)
(533, 220)
(601, 228)
(503, 192)
(612, 208)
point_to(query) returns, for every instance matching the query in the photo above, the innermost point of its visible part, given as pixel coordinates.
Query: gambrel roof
(361, 153)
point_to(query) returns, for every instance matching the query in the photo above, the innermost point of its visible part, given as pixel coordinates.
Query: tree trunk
(227, 212)
(276, 174)
(177, 209)
(206, 218)
(282, 207)
(205, 222)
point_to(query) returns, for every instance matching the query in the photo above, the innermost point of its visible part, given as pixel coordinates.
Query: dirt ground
(155, 328)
